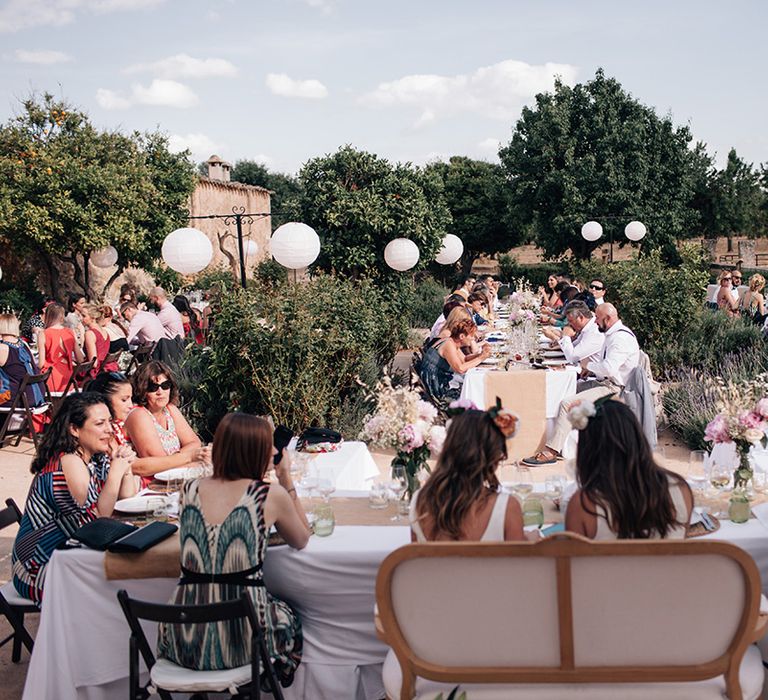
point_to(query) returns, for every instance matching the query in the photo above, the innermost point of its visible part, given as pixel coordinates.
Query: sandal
(540, 459)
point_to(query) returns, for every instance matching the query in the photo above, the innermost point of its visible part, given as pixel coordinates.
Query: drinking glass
(533, 511)
(697, 474)
(377, 498)
(554, 486)
(324, 522)
(760, 482)
(398, 486)
(720, 477)
(309, 481)
(325, 483)
(522, 480)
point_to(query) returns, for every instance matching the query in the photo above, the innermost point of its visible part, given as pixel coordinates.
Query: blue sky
(286, 80)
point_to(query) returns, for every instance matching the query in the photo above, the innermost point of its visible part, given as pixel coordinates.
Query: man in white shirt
(619, 356)
(168, 314)
(144, 326)
(582, 339)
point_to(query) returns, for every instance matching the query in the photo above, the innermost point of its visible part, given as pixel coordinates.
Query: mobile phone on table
(281, 438)
(552, 529)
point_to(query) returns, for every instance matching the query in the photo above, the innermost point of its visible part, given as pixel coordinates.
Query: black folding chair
(12, 605)
(140, 355)
(111, 358)
(167, 677)
(18, 417)
(80, 372)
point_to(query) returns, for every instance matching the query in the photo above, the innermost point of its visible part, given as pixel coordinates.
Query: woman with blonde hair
(95, 318)
(753, 302)
(16, 362)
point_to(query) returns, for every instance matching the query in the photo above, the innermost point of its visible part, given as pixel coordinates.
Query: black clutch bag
(143, 538)
(102, 532)
(313, 436)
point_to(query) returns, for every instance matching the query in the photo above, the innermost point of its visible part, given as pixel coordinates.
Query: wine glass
(697, 475)
(522, 480)
(397, 486)
(554, 486)
(309, 480)
(720, 479)
(325, 483)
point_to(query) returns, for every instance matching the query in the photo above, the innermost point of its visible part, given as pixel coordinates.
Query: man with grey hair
(167, 313)
(607, 374)
(581, 339)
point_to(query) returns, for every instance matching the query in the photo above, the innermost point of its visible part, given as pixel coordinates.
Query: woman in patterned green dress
(224, 522)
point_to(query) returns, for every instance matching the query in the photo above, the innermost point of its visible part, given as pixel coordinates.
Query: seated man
(581, 339)
(619, 356)
(464, 287)
(144, 326)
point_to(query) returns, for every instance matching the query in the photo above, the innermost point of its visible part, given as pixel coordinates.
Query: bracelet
(293, 488)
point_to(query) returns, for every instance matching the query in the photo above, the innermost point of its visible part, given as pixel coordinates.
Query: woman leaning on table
(461, 498)
(223, 524)
(726, 300)
(156, 427)
(622, 492)
(78, 478)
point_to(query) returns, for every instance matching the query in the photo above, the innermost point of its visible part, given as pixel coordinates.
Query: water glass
(760, 482)
(697, 474)
(522, 479)
(377, 497)
(325, 521)
(554, 486)
(325, 482)
(397, 486)
(533, 511)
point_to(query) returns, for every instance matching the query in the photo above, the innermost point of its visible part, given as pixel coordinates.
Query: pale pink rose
(436, 439)
(410, 438)
(466, 404)
(717, 430)
(749, 419)
(427, 412)
(754, 435)
(762, 407)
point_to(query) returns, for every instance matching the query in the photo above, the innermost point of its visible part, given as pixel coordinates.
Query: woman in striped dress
(76, 481)
(223, 525)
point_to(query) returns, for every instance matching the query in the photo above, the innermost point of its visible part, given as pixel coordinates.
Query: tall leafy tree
(358, 202)
(593, 151)
(67, 189)
(286, 189)
(738, 199)
(475, 194)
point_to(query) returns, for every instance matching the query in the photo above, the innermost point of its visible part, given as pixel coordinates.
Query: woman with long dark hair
(191, 318)
(78, 478)
(461, 498)
(623, 493)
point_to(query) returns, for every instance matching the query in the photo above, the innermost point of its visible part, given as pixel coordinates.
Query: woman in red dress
(57, 348)
(97, 340)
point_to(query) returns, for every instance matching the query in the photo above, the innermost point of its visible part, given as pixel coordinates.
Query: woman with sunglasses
(156, 427)
(725, 297)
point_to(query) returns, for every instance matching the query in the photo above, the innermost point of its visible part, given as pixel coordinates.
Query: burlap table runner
(524, 392)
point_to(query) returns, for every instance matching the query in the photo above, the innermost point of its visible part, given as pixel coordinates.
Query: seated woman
(77, 479)
(451, 303)
(444, 365)
(116, 391)
(726, 299)
(95, 318)
(16, 362)
(623, 493)
(549, 297)
(156, 428)
(57, 348)
(223, 524)
(478, 303)
(118, 341)
(191, 318)
(752, 305)
(461, 499)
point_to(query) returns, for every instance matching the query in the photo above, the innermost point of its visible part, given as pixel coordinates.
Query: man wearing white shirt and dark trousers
(619, 356)
(582, 339)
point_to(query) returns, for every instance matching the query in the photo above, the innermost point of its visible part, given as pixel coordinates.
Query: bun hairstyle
(464, 327)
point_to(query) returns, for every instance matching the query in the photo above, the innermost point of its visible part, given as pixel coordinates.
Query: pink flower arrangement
(717, 430)
(762, 408)
(410, 437)
(466, 404)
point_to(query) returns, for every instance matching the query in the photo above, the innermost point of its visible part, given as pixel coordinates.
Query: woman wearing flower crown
(461, 499)
(623, 493)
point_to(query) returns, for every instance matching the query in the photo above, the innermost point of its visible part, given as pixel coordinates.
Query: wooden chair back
(140, 355)
(17, 418)
(565, 609)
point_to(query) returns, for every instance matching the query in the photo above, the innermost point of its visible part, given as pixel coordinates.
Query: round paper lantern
(104, 257)
(1, 273)
(635, 230)
(451, 251)
(187, 250)
(591, 231)
(250, 249)
(401, 254)
(294, 245)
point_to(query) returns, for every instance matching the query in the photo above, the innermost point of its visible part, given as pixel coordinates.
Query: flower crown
(582, 410)
(504, 420)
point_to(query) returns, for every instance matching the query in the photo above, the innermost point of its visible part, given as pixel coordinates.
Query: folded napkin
(761, 513)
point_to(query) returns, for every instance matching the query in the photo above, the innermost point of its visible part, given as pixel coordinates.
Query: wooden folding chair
(140, 355)
(167, 677)
(111, 358)
(12, 605)
(19, 415)
(80, 372)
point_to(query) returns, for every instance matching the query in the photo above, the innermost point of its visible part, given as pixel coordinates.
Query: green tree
(285, 189)
(738, 199)
(67, 189)
(476, 197)
(594, 152)
(358, 202)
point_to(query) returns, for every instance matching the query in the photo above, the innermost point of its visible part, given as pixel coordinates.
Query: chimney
(218, 169)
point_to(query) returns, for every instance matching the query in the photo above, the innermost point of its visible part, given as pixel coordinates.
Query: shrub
(269, 270)
(165, 277)
(536, 274)
(301, 353)
(217, 278)
(427, 303)
(24, 302)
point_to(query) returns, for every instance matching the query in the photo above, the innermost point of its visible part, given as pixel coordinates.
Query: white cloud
(325, 6)
(490, 145)
(263, 159)
(184, 66)
(200, 146)
(22, 14)
(285, 86)
(159, 93)
(42, 58)
(497, 91)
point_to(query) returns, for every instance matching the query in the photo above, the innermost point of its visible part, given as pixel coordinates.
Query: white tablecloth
(81, 649)
(560, 385)
(352, 465)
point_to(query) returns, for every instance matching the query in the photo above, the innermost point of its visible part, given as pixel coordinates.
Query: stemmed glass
(325, 483)
(522, 480)
(697, 475)
(720, 479)
(309, 480)
(397, 486)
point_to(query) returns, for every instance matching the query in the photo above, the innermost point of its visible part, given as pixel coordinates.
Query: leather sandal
(539, 459)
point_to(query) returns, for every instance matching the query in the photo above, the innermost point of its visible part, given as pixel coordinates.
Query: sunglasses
(154, 386)
(594, 286)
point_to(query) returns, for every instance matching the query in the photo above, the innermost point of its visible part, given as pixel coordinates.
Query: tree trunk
(53, 276)
(114, 276)
(86, 274)
(78, 276)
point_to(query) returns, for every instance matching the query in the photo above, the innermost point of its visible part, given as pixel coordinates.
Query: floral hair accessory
(582, 410)
(457, 407)
(503, 419)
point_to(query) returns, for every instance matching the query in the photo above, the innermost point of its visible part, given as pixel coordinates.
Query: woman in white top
(461, 499)
(623, 493)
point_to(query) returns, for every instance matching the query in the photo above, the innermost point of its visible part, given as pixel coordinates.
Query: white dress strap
(494, 531)
(413, 519)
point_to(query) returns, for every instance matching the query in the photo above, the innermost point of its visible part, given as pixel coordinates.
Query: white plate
(179, 473)
(553, 353)
(141, 504)
(492, 360)
(554, 363)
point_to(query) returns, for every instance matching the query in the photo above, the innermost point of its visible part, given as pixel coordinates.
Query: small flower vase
(413, 462)
(743, 474)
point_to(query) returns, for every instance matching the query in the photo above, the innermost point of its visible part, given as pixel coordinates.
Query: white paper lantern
(401, 254)
(635, 230)
(591, 231)
(451, 251)
(294, 245)
(104, 257)
(250, 249)
(187, 250)
(1, 273)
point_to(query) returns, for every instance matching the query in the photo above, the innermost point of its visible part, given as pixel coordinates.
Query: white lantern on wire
(1, 273)
(250, 249)
(635, 230)
(294, 245)
(451, 250)
(187, 250)
(591, 231)
(104, 257)
(401, 254)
